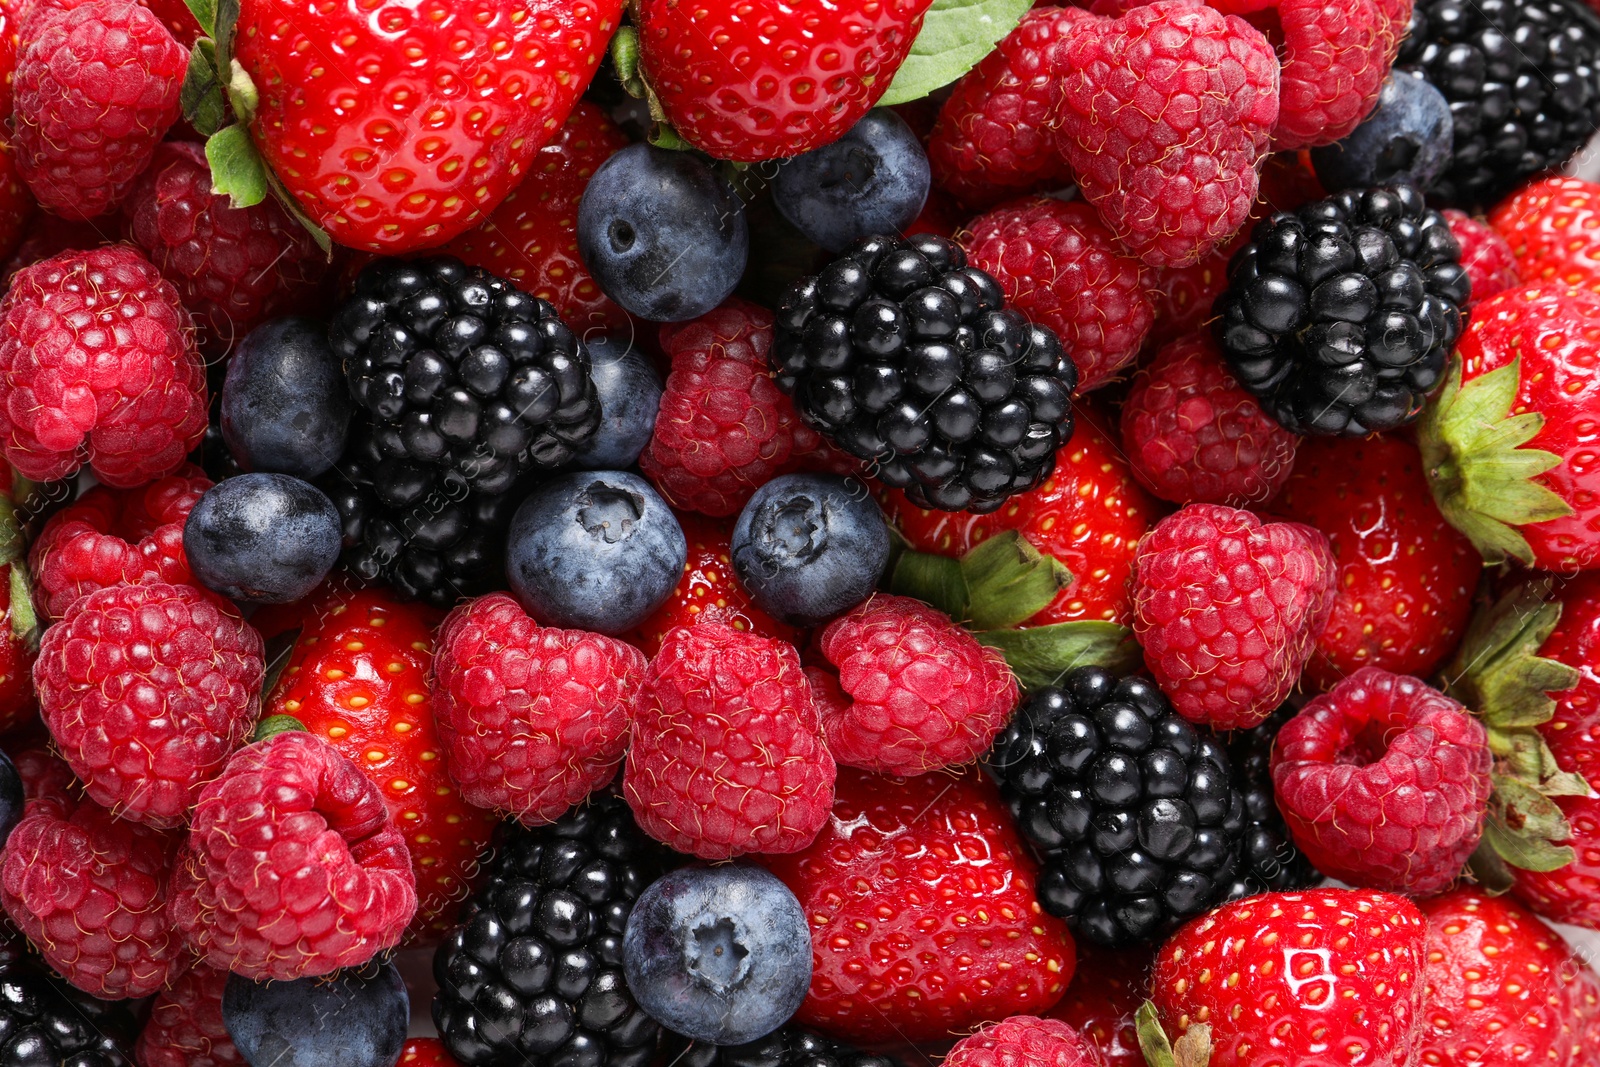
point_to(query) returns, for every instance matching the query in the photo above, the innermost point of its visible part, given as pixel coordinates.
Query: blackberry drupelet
(45, 1021)
(533, 974)
(908, 359)
(1271, 862)
(1523, 81)
(463, 385)
(1133, 811)
(788, 1046)
(1340, 315)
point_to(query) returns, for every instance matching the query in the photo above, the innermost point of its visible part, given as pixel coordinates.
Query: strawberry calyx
(273, 725)
(25, 628)
(1192, 1049)
(625, 58)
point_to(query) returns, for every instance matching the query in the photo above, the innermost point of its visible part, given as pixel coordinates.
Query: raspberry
(45, 236)
(1061, 268)
(232, 267)
(1227, 609)
(113, 537)
(1487, 258)
(185, 1027)
(724, 429)
(1025, 1041)
(994, 135)
(727, 756)
(293, 866)
(1210, 81)
(131, 401)
(1194, 435)
(146, 690)
(918, 692)
(95, 93)
(1384, 782)
(533, 718)
(90, 891)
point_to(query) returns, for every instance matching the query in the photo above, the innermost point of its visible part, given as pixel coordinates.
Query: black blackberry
(44, 1022)
(1271, 862)
(1134, 811)
(907, 358)
(463, 384)
(1339, 316)
(533, 973)
(788, 1046)
(1523, 81)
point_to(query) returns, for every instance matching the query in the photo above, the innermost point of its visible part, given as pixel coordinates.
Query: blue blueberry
(808, 547)
(874, 179)
(262, 538)
(662, 234)
(594, 551)
(356, 1017)
(630, 394)
(719, 954)
(285, 407)
(1407, 139)
(10, 797)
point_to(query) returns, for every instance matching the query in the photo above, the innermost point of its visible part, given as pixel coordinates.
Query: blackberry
(533, 974)
(788, 1046)
(1271, 862)
(463, 386)
(1523, 81)
(1339, 316)
(1134, 811)
(908, 359)
(45, 1021)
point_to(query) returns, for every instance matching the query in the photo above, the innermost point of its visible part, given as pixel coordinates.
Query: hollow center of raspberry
(716, 956)
(609, 514)
(797, 530)
(1369, 745)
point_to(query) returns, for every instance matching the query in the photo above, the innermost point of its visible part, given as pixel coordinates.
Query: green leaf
(1498, 672)
(237, 169)
(25, 628)
(1040, 655)
(292, 206)
(201, 95)
(204, 12)
(242, 93)
(955, 35)
(273, 725)
(935, 580)
(625, 58)
(1009, 581)
(226, 18)
(276, 654)
(1153, 1041)
(1492, 872)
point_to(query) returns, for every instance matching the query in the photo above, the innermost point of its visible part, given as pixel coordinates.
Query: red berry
(17, 207)
(178, 19)
(1106, 992)
(1490, 263)
(1551, 226)
(1569, 894)
(425, 1052)
(1575, 641)
(1384, 782)
(185, 1027)
(147, 689)
(1025, 1041)
(45, 236)
(294, 867)
(727, 755)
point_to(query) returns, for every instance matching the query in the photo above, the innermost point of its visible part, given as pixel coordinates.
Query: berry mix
(562, 533)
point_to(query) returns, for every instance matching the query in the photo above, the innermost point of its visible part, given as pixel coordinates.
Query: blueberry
(808, 547)
(874, 179)
(10, 797)
(1406, 140)
(630, 394)
(262, 538)
(719, 954)
(594, 551)
(662, 234)
(285, 407)
(356, 1017)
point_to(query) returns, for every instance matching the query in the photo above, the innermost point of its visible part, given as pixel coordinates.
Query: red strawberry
(1551, 226)
(1571, 892)
(425, 1052)
(1105, 993)
(428, 116)
(1573, 731)
(924, 918)
(358, 678)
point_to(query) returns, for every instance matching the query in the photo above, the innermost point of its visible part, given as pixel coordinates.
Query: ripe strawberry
(1490, 263)
(405, 155)
(186, 1028)
(1101, 1002)
(1025, 1041)
(749, 84)
(1573, 731)
(1570, 893)
(1406, 577)
(924, 917)
(177, 18)
(425, 1052)
(358, 677)
(1550, 225)
(1322, 978)
(1508, 443)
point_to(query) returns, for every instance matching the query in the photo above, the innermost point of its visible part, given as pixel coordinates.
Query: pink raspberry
(1025, 1041)
(294, 867)
(146, 690)
(532, 718)
(1194, 435)
(185, 1027)
(1061, 268)
(1487, 256)
(1384, 782)
(95, 92)
(1227, 609)
(915, 691)
(727, 756)
(97, 365)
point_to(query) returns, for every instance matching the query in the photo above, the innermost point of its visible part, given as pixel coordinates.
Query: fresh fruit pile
(821, 534)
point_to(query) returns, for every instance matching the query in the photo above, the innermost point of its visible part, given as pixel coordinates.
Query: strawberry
(358, 677)
(425, 1052)
(921, 898)
(1105, 993)
(1551, 226)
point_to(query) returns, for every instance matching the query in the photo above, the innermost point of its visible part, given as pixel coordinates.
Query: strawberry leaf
(1193, 1049)
(276, 653)
(273, 725)
(237, 169)
(201, 95)
(1040, 655)
(223, 23)
(1490, 871)
(1009, 581)
(935, 580)
(25, 628)
(955, 35)
(1498, 672)
(204, 12)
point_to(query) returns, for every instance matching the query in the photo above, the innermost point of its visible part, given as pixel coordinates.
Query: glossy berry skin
(1575, 641)
(1486, 256)
(1062, 268)
(1107, 989)
(285, 407)
(94, 94)
(533, 719)
(394, 161)
(1026, 1041)
(244, 896)
(784, 83)
(424, 1052)
(147, 689)
(262, 538)
(131, 402)
(356, 1018)
(1547, 224)
(1384, 782)
(1333, 975)
(185, 1027)
(1406, 577)
(1569, 894)
(1271, 863)
(874, 179)
(663, 234)
(49, 1022)
(1405, 140)
(629, 392)
(941, 957)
